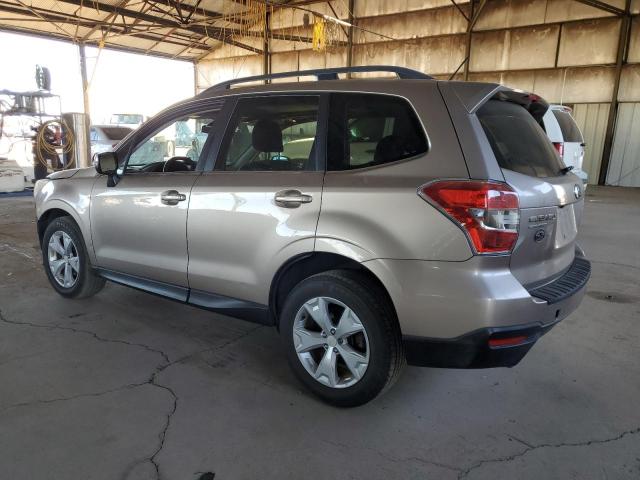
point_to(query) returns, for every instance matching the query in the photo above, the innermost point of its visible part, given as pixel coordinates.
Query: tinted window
(570, 131)
(518, 141)
(367, 130)
(272, 133)
(184, 137)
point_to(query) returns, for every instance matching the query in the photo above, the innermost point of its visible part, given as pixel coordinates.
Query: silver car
(374, 222)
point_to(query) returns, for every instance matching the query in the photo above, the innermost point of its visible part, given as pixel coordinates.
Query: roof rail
(328, 74)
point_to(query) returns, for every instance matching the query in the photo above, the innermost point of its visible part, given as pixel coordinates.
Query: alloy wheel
(331, 342)
(63, 259)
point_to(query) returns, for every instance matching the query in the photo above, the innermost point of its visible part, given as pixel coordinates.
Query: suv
(374, 222)
(566, 137)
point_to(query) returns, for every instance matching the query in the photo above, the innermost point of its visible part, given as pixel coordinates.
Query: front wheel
(66, 262)
(342, 337)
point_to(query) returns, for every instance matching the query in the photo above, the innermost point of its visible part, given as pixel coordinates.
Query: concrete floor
(128, 385)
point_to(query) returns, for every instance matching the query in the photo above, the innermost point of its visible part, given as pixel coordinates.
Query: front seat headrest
(266, 136)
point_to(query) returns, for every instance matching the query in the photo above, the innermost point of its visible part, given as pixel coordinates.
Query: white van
(566, 137)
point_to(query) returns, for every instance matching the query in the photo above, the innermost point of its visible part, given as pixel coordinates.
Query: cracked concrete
(126, 385)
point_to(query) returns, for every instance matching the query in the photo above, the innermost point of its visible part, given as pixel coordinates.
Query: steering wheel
(179, 164)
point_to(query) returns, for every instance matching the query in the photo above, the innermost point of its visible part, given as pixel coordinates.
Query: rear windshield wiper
(566, 170)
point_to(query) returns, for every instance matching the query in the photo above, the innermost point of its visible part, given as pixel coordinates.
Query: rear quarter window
(370, 129)
(568, 126)
(518, 142)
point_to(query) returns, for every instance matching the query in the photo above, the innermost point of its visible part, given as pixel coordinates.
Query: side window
(272, 133)
(369, 129)
(570, 130)
(177, 147)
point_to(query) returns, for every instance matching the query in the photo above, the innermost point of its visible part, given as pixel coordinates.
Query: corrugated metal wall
(592, 120)
(624, 166)
(561, 49)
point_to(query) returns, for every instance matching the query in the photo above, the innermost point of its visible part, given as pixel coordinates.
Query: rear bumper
(502, 346)
(473, 349)
(451, 313)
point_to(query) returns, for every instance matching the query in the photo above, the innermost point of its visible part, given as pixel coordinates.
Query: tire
(375, 355)
(67, 251)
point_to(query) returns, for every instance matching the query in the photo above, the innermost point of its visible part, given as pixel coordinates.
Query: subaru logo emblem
(576, 191)
(539, 235)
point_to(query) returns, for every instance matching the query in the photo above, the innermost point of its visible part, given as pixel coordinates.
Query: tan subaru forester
(374, 222)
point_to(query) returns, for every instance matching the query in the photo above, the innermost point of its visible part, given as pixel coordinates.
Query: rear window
(570, 131)
(518, 141)
(116, 133)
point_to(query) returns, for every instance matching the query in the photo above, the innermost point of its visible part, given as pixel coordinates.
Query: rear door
(259, 205)
(551, 201)
(572, 137)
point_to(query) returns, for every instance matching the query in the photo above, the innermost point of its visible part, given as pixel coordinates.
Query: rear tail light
(488, 212)
(559, 146)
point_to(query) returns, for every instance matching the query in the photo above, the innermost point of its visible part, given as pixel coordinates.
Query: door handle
(172, 197)
(291, 198)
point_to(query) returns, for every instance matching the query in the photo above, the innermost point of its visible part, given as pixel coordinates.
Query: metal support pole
(350, 36)
(86, 155)
(623, 41)
(85, 82)
(473, 18)
(195, 77)
(266, 54)
(467, 49)
(558, 43)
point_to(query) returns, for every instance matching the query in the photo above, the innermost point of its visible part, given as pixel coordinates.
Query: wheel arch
(305, 265)
(49, 216)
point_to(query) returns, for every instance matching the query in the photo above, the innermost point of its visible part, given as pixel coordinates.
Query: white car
(105, 137)
(566, 137)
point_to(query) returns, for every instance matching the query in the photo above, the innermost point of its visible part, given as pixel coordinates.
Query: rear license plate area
(566, 228)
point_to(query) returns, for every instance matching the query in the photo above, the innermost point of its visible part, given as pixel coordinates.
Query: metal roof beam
(87, 23)
(603, 6)
(191, 9)
(213, 32)
(93, 43)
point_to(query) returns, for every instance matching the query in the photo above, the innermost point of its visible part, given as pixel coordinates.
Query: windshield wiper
(566, 170)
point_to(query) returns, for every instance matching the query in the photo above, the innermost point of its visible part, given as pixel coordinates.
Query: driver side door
(139, 225)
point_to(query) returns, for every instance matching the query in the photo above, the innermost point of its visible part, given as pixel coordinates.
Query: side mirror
(107, 164)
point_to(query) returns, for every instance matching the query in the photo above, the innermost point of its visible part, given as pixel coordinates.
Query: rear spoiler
(473, 95)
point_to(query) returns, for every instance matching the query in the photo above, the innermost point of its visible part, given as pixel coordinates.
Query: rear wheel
(66, 262)
(342, 338)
